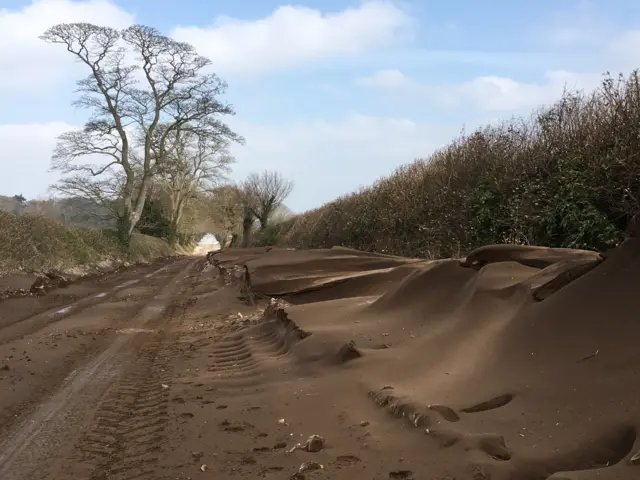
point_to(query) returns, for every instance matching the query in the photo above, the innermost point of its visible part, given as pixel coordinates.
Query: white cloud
(489, 93)
(389, 78)
(501, 94)
(624, 52)
(330, 158)
(26, 150)
(289, 36)
(295, 34)
(569, 36)
(587, 46)
(603, 45)
(28, 62)
(324, 158)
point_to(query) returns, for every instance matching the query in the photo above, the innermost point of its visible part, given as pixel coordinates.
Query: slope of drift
(241, 401)
(318, 274)
(519, 385)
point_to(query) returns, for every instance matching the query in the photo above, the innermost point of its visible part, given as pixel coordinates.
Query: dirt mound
(291, 272)
(514, 363)
(237, 256)
(531, 256)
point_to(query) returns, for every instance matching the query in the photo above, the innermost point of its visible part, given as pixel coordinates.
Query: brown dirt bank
(514, 363)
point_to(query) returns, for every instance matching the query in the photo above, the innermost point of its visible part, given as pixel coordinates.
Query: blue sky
(332, 93)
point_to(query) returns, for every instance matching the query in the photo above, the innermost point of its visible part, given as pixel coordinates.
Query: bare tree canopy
(280, 215)
(264, 193)
(142, 88)
(195, 166)
(227, 210)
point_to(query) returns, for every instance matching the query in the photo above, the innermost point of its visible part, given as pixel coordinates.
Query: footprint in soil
(491, 404)
(274, 469)
(227, 426)
(347, 460)
(401, 475)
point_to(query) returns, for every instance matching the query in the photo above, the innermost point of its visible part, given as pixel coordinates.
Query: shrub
(568, 176)
(31, 243)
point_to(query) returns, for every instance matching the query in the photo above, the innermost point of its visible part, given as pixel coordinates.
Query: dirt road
(403, 368)
(152, 374)
(63, 356)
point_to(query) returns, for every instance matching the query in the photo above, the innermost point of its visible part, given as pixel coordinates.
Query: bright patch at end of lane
(62, 311)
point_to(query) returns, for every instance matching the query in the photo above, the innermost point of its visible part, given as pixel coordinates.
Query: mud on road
(330, 364)
(167, 372)
(58, 364)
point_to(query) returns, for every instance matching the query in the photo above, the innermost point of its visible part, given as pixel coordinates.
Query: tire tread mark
(128, 431)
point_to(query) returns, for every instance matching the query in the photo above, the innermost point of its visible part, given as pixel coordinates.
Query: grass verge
(36, 244)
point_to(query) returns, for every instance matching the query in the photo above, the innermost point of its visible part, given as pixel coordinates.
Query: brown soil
(512, 364)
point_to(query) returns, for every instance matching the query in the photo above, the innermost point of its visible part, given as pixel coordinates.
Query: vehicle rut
(33, 444)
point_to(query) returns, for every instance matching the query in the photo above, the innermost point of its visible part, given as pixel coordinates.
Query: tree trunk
(247, 223)
(136, 212)
(174, 236)
(234, 240)
(176, 209)
(124, 219)
(124, 228)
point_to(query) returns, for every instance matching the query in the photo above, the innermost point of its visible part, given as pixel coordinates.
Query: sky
(334, 94)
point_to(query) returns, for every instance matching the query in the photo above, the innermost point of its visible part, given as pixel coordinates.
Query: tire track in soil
(128, 429)
(31, 451)
(254, 356)
(30, 324)
(14, 414)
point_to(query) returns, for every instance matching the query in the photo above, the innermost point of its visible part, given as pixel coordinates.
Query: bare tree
(19, 202)
(197, 164)
(166, 90)
(264, 193)
(227, 209)
(248, 220)
(280, 215)
(105, 190)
